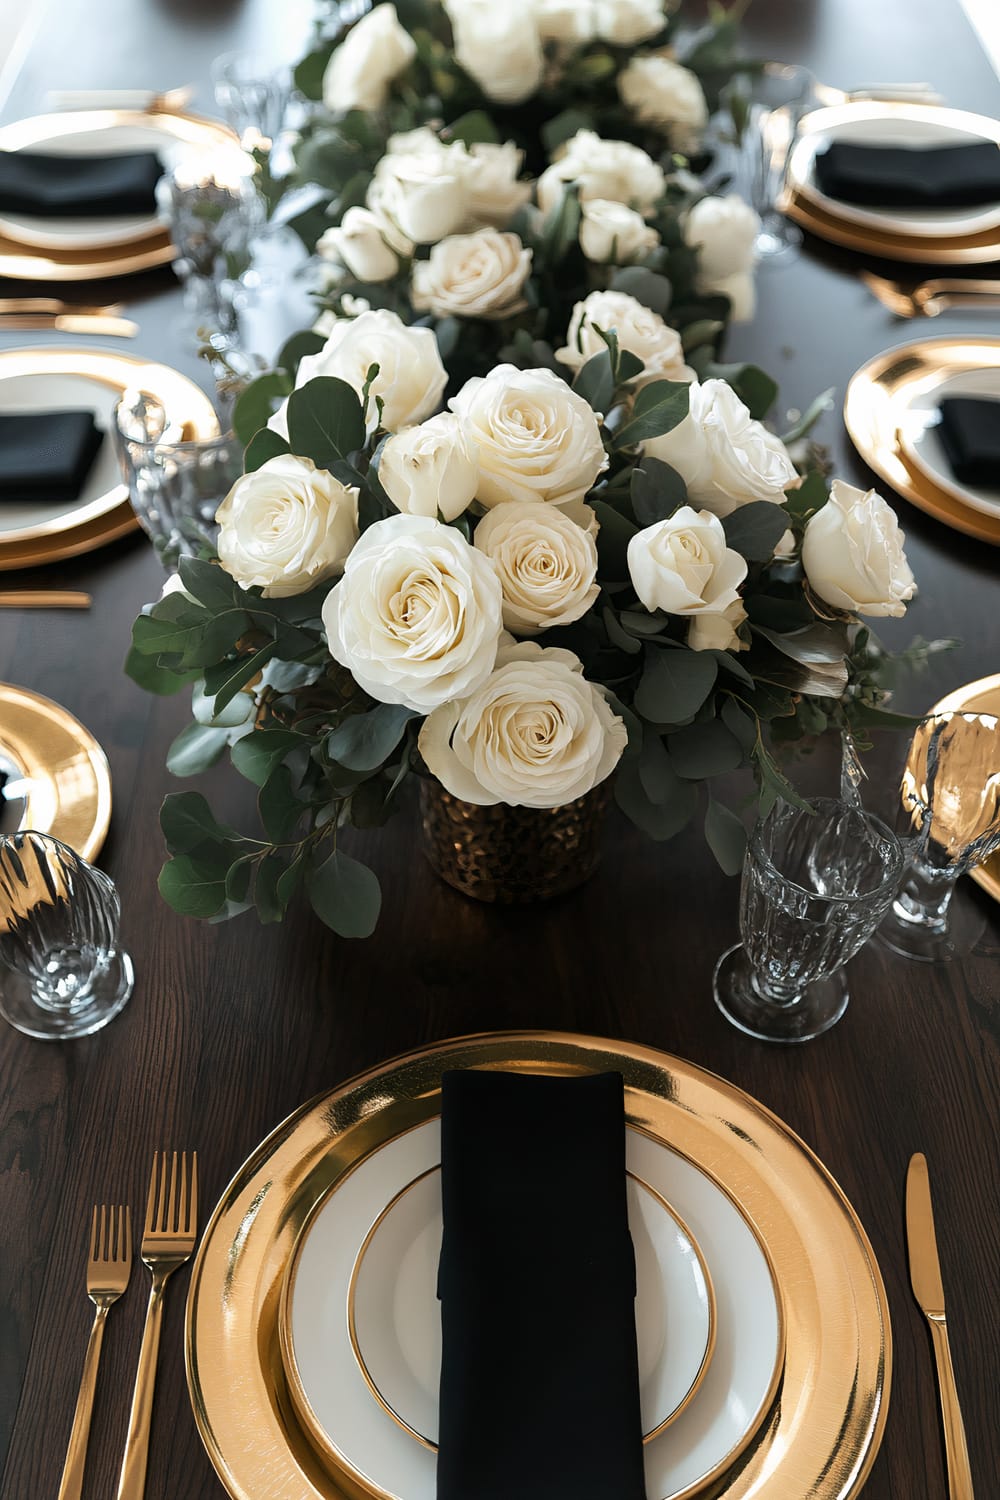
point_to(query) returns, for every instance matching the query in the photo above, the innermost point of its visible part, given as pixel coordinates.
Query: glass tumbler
(175, 487)
(66, 975)
(767, 107)
(815, 887)
(209, 201)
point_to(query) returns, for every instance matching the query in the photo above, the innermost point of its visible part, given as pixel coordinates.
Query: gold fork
(929, 298)
(167, 1242)
(108, 1268)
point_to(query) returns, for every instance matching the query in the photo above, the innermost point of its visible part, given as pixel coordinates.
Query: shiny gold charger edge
(45, 739)
(980, 696)
(846, 1393)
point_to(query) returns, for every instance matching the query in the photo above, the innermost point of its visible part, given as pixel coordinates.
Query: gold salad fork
(108, 1268)
(929, 298)
(167, 1242)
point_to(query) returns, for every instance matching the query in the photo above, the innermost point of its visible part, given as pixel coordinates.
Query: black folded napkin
(539, 1377)
(46, 455)
(970, 436)
(73, 186)
(910, 177)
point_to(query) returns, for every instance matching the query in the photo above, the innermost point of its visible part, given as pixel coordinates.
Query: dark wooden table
(232, 1027)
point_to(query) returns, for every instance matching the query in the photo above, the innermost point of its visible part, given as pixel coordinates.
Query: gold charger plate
(978, 697)
(81, 528)
(819, 1438)
(876, 401)
(67, 775)
(33, 263)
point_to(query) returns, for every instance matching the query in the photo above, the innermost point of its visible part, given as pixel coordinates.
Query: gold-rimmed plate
(889, 392)
(820, 1439)
(982, 696)
(58, 779)
(48, 378)
(971, 251)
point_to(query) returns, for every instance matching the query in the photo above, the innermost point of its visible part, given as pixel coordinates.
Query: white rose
(416, 616)
(429, 469)
(374, 52)
(499, 46)
(494, 193)
(546, 563)
(725, 458)
(612, 233)
(411, 377)
(853, 554)
(537, 439)
(360, 244)
(640, 330)
(709, 632)
(479, 275)
(724, 232)
(570, 22)
(683, 566)
(286, 527)
(611, 170)
(422, 194)
(535, 734)
(626, 22)
(660, 92)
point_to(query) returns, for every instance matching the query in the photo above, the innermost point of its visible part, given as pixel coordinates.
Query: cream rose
(683, 566)
(569, 22)
(416, 616)
(360, 245)
(725, 458)
(411, 377)
(708, 632)
(499, 46)
(535, 734)
(640, 330)
(612, 170)
(494, 193)
(479, 275)
(374, 52)
(423, 193)
(612, 234)
(286, 527)
(626, 22)
(659, 92)
(724, 232)
(546, 563)
(853, 554)
(430, 469)
(537, 439)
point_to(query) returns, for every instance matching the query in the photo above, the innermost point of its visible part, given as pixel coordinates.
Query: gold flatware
(929, 298)
(108, 1270)
(928, 1288)
(136, 99)
(167, 1242)
(122, 328)
(56, 305)
(45, 599)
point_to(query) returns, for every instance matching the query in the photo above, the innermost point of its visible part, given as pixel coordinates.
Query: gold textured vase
(512, 854)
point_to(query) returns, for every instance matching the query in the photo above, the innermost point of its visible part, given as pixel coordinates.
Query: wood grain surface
(232, 1027)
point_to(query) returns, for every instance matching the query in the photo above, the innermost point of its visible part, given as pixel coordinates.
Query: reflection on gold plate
(148, 249)
(818, 1440)
(65, 772)
(107, 516)
(978, 697)
(875, 405)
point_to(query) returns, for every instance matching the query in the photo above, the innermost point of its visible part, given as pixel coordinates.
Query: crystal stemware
(815, 886)
(951, 790)
(767, 107)
(209, 200)
(66, 975)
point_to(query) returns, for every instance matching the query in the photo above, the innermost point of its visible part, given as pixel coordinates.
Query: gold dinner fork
(929, 298)
(108, 1268)
(167, 1242)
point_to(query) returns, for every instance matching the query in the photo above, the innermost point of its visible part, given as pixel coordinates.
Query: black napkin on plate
(539, 1396)
(46, 455)
(910, 177)
(970, 436)
(71, 186)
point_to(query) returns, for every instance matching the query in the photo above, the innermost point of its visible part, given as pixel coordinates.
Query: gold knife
(71, 323)
(925, 1278)
(44, 599)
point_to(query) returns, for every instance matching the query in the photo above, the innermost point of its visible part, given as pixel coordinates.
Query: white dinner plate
(920, 440)
(913, 126)
(343, 1415)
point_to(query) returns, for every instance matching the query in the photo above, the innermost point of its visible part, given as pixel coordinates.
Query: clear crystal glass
(768, 106)
(66, 975)
(951, 789)
(815, 887)
(252, 94)
(210, 202)
(175, 488)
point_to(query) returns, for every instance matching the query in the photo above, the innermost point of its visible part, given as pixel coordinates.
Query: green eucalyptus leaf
(754, 386)
(653, 291)
(295, 349)
(265, 888)
(596, 383)
(308, 75)
(617, 636)
(193, 887)
(473, 129)
(674, 684)
(732, 664)
(255, 405)
(345, 895)
(325, 420)
(563, 127)
(811, 415)
(262, 447)
(280, 809)
(702, 750)
(741, 724)
(755, 530)
(256, 755)
(612, 542)
(147, 672)
(658, 408)
(195, 749)
(209, 583)
(238, 878)
(224, 681)
(187, 821)
(726, 837)
(658, 777)
(364, 741)
(659, 820)
(656, 491)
